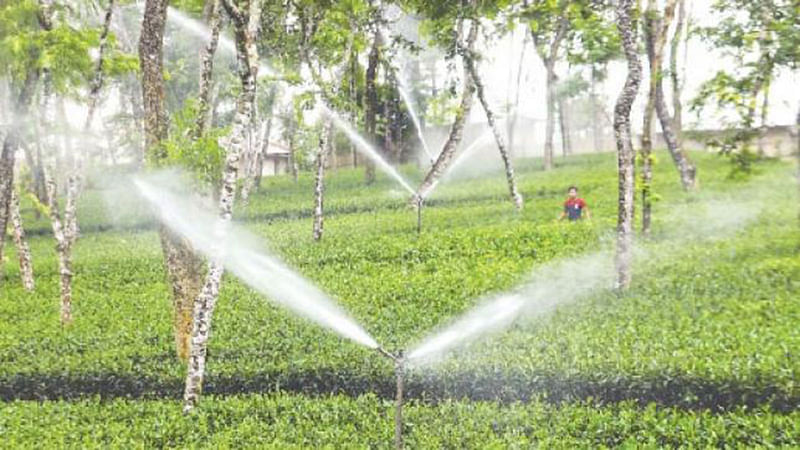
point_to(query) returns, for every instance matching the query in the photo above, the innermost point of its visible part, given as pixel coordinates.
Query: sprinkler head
(399, 359)
(386, 353)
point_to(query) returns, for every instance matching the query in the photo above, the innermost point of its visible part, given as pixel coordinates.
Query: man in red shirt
(574, 206)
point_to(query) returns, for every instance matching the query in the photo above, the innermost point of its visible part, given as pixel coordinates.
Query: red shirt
(573, 207)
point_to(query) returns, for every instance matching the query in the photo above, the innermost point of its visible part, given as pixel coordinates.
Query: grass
(700, 351)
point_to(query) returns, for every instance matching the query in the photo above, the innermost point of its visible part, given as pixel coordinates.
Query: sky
(702, 64)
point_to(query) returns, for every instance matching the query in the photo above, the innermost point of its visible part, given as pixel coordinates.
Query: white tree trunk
(63, 246)
(625, 154)
(23, 251)
(549, 130)
(6, 185)
(247, 56)
(456, 131)
(97, 81)
(207, 70)
(319, 182)
(252, 164)
(469, 63)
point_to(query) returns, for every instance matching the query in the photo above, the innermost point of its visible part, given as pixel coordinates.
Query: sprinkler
(398, 401)
(385, 353)
(399, 361)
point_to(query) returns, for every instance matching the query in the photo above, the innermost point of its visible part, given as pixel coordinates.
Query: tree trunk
(549, 57)
(207, 69)
(762, 132)
(23, 251)
(677, 105)
(512, 119)
(64, 231)
(252, 164)
(245, 26)
(596, 144)
(686, 170)
(469, 63)
(63, 248)
(651, 27)
(255, 180)
(351, 91)
(293, 169)
(152, 73)
(263, 153)
(8, 154)
(65, 228)
(456, 130)
(371, 98)
(6, 184)
(551, 111)
(33, 160)
(563, 121)
(185, 269)
(319, 182)
(98, 80)
(622, 134)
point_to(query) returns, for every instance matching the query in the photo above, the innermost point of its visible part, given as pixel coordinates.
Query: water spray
(383, 352)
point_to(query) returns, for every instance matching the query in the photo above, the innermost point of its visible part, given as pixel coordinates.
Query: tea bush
(701, 350)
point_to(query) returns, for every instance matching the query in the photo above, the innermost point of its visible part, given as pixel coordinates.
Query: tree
(576, 31)
(184, 267)
(760, 38)
(549, 26)
(325, 145)
(653, 26)
(22, 47)
(625, 154)
(456, 129)
(514, 109)
(245, 17)
(23, 250)
(469, 58)
(681, 29)
(98, 79)
(371, 92)
(686, 169)
(72, 45)
(6, 186)
(207, 64)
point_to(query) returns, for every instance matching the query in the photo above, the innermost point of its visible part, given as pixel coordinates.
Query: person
(574, 206)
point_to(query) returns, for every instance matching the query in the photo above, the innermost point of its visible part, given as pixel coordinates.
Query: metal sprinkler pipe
(383, 352)
(399, 361)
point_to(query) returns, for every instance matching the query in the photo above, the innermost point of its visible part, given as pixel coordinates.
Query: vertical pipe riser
(398, 414)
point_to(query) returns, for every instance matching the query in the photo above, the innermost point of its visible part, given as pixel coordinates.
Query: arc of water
(200, 30)
(460, 158)
(255, 267)
(553, 286)
(401, 87)
(366, 149)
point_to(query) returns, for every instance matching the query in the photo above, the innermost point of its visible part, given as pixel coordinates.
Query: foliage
(203, 157)
(26, 48)
(683, 339)
(756, 35)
